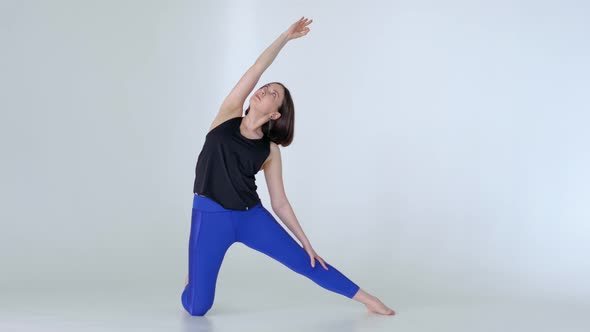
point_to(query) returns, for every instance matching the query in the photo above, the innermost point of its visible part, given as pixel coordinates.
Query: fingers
(304, 20)
(299, 28)
(323, 263)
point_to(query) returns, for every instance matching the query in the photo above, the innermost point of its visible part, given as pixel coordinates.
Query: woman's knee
(199, 310)
(195, 307)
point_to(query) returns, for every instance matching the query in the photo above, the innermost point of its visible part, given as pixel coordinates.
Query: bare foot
(373, 304)
(376, 306)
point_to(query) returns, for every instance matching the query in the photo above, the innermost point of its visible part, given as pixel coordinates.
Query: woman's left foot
(376, 306)
(372, 303)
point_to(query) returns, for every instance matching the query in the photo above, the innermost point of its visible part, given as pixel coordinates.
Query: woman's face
(268, 98)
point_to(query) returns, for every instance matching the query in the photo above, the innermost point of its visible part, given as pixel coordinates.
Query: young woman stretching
(226, 207)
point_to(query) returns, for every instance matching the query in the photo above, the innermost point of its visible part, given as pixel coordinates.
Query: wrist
(285, 36)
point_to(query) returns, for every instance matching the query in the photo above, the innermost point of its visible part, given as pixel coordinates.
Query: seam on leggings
(194, 293)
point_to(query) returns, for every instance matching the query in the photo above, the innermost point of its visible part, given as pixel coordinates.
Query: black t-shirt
(227, 164)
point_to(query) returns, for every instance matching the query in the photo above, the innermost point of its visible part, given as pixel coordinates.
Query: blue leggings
(214, 229)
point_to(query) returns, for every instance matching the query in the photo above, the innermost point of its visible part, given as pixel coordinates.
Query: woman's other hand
(313, 255)
(298, 29)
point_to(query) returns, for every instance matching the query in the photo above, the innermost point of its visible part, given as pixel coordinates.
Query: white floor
(236, 310)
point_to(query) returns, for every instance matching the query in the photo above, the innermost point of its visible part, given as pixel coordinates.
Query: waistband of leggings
(204, 203)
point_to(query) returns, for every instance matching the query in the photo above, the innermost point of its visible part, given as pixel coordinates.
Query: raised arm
(233, 103)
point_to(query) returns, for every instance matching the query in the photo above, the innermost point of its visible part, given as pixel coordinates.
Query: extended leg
(263, 233)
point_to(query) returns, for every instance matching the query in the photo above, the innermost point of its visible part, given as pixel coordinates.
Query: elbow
(278, 206)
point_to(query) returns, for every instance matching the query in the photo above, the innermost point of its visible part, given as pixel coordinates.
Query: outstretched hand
(313, 255)
(298, 29)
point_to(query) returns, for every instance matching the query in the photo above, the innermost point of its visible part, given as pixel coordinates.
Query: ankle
(364, 297)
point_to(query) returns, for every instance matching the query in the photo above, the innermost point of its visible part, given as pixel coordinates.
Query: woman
(226, 207)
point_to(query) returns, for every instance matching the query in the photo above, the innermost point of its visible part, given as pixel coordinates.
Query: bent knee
(199, 310)
(195, 308)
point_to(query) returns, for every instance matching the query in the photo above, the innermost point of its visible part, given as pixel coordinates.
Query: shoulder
(274, 148)
(223, 118)
(275, 153)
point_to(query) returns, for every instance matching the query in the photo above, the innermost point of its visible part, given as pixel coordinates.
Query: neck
(252, 124)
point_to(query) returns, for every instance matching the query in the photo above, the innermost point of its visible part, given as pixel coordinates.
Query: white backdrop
(441, 148)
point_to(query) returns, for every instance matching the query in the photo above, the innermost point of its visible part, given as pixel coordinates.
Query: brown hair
(281, 131)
